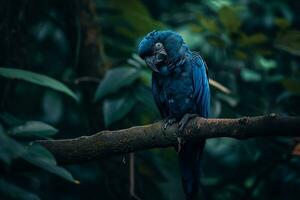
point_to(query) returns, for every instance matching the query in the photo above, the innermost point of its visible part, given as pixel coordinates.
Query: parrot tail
(190, 167)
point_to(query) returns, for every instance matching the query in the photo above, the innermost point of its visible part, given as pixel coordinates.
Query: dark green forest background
(69, 68)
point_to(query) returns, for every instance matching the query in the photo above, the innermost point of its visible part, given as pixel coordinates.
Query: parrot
(180, 88)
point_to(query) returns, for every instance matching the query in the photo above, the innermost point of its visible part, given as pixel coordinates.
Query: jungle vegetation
(70, 68)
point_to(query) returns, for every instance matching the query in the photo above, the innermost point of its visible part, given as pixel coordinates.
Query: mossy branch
(109, 143)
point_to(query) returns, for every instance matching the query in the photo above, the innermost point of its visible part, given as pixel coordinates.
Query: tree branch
(108, 143)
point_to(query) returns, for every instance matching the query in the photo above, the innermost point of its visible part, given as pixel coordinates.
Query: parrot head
(160, 48)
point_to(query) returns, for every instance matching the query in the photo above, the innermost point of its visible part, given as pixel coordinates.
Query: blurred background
(69, 68)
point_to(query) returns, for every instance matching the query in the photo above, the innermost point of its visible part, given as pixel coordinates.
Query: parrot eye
(158, 45)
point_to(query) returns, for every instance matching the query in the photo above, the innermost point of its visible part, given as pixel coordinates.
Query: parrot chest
(177, 93)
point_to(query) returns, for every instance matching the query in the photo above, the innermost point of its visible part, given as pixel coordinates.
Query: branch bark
(108, 143)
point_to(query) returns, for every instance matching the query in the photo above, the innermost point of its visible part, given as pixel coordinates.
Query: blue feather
(201, 86)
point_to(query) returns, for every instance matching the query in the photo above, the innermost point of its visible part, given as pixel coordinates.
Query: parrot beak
(150, 61)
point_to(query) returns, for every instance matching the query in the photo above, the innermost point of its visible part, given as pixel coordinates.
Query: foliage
(13, 149)
(38, 79)
(250, 47)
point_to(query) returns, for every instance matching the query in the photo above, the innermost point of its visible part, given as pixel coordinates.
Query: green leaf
(209, 24)
(292, 85)
(146, 77)
(10, 120)
(191, 36)
(144, 96)
(290, 42)
(41, 157)
(14, 192)
(240, 55)
(282, 23)
(266, 64)
(9, 148)
(36, 78)
(116, 109)
(33, 128)
(250, 75)
(136, 18)
(115, 79)
(230, 19)
(252, 40)
(217, 4)
(285, 96)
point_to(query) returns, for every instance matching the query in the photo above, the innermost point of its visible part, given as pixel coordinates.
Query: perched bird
(181, 91)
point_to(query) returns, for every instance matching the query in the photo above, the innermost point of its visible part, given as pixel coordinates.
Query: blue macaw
(181, 91)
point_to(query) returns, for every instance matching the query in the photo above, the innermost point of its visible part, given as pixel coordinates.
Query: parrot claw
(180, 142)
(184, 121)
(181, 125)
(168, 122)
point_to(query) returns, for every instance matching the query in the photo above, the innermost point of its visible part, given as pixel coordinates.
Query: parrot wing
(201, 85)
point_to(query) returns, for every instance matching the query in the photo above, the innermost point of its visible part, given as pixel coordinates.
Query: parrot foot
(184, 121)
(169, 122)
(181, 125)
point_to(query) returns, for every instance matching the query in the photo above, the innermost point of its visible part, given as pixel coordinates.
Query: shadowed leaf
(9, 148)
(41, 157)
(144, 95)
(116, 79)
(250, 75)
(33, 128)
(116, 109)
(15, 192)
(292, 85)
(290, 42)
(229, 19)
(36, 78)
(251, 40)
